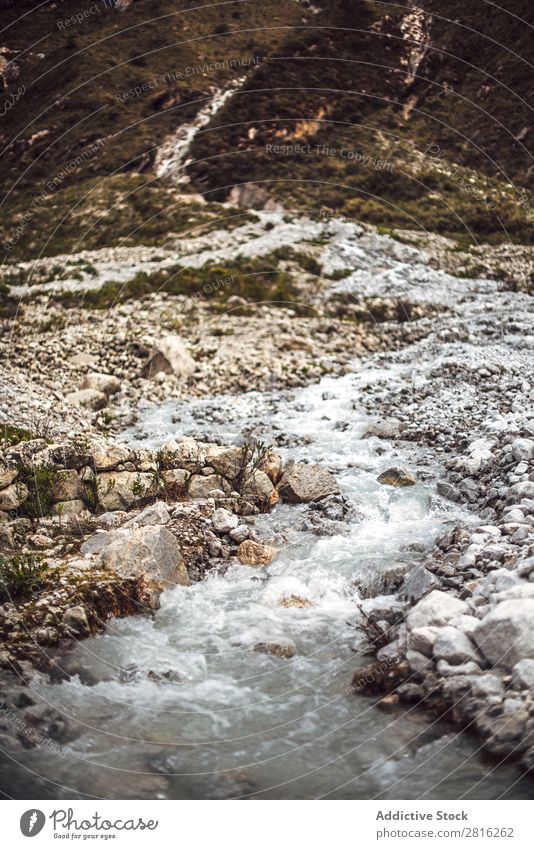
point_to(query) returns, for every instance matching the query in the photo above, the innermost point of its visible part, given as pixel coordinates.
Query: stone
(105, 383)
(120, 490)
(7, 476)
(486, 685)
(272, 465)
(465, 623)
(286, 650)
(171, 357)
(68, 486)
(295, 601)
(75, 510)
(519, 490)
(418, 583)
(422, 640)
(259, 485)
(154, 514)
(437, 608)
(523, 674)
(447, 669)
(187, 454)
(240, 534)
(224, 521)
(389, 429)
(108, 455)
(505, 635)
(454, 646)
(13, 496)
(396, 476)
(523, 449)
(176, 480)
(251, 553)
(418, 662)
(305, 482)
(208, 486)
(224, 461)
(92, 399)
(75, 619)
(97, 542)
(150, 552)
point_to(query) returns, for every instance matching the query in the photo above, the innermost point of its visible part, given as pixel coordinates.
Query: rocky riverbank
(443, 375)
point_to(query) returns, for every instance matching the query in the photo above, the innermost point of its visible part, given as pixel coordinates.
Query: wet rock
(304, 482)
(437, 608)
(75, 620)
(223, 521)
(418, 662)
(107, 384)
(286, 650)
(295, 601)
(395, 476)
(418, 583)
(251, 553)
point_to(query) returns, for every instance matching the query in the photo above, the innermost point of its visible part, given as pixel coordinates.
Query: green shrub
(21, 575)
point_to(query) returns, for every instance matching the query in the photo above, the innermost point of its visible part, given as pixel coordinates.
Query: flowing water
(184, 708)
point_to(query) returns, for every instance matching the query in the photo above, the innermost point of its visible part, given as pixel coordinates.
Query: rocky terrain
(266, 400)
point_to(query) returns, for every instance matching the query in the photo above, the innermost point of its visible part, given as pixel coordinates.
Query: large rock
(395, 476)
(418, 583)
(108, 455)
(119, 490)
(251, 553)
(92, 399)
(13, 496)
(7, 476)
(225, 461)
(207, 486)
(68, 486)
(454, 646)
(437, 608)
(154, 514)
(506, 634)
(224, 521)
(105, 383)
(523, 449)
(149, 552)
(259, 485)
(172, 357)
(187, 454)
(303, 482)
(523, 674)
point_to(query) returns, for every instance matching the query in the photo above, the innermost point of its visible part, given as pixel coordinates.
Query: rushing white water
(184, 707)
(171, 159)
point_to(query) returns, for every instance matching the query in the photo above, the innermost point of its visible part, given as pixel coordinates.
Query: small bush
(21, 575)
